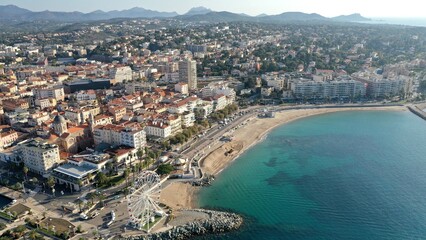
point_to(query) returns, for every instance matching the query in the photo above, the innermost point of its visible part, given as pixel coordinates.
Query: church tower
(59, 125)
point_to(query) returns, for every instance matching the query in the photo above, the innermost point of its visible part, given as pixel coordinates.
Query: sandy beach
(183, 196)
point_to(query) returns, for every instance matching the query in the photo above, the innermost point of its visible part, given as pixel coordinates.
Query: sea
(347, 175)
(415, 22)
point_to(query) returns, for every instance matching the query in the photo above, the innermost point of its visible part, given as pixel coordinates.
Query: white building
(158, 129)
(40, 157)
(188, 73)
(56, 92)
(121, 73)
(88, 95)
(80, 116)
(188, 119)
(328, 89)
(276, 83)
(182, 88)
(131, 135)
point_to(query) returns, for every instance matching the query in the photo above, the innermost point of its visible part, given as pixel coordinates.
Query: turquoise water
(348, 175)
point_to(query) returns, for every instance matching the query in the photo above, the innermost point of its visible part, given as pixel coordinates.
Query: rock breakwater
(217, 222)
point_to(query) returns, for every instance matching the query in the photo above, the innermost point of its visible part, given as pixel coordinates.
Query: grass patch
(156, 220)
(113, 181)
(7, 216)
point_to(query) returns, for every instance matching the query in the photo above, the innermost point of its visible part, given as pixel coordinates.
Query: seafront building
(131, 135)
(40, 157)
(309, 89)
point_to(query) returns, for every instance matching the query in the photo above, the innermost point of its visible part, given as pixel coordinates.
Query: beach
(180, 195)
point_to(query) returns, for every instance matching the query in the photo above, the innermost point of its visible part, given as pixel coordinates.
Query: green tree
(25, 170)
(51, 182)
(101, 178)
(164, 169)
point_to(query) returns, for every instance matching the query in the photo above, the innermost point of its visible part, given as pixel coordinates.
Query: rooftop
(74, 170)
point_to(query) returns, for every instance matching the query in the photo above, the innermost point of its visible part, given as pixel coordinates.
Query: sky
(328, 8)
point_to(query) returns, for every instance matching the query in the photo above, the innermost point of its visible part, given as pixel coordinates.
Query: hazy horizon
(327, 8)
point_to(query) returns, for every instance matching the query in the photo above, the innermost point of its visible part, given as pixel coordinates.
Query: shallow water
(347, 175)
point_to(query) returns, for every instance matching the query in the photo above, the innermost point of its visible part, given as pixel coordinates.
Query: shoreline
(181, 195)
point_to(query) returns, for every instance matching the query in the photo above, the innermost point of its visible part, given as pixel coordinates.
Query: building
(131, 135)
(197, 48)
(80, 169)
(95, 84)
(56, 92)
(45, 103)
(59, 125)
(40, 157)
(182, 88)
(188, 119)
(309, 89)
(7, 138)
(386, 88)
(203, 110)
(117, 112)
(276, 83)
(80, 116)
(158, 129)
(88, 95)
(188, 73)
(15, 104)
(121, 74)
(220, 102)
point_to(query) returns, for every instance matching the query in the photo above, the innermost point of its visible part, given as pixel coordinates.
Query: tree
(80, 204)
(91, 196)
(25, 170)
(139, 153)
(33, 235)
(101, 178)
(126, 175)
(164, 169)
(51, 182)
(110, 167)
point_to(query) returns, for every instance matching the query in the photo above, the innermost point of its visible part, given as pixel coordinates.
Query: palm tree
(126, 176)
(25, 170)
(33, 235)
(139, 153)
(115, 163)
(101, 198)
(80, 204)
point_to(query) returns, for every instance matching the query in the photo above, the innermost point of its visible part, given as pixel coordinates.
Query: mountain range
(13, 14)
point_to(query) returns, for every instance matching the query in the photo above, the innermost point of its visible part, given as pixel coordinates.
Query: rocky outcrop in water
(218, 222)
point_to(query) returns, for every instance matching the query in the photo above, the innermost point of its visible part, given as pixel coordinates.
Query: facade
(121, 73)
(8, 138)
(56, 92)
(88, 95)
(276, 83)
(182, 88)
(14, 104)
(202, 111)
(45, 103)
(188, 73)
(40, 157)
(117, 111)
(188, 119)
(328, 89)
(158, 129)
(80, 116)
(386, 88)
(76, 86)
(116, 135)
